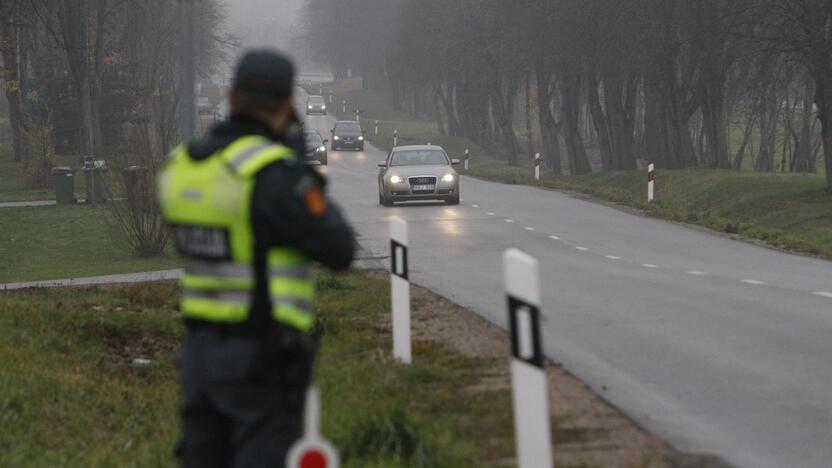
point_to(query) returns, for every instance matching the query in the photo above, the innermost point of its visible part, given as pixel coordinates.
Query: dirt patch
(590, 432)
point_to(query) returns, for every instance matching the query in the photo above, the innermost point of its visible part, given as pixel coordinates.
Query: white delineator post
(344, 107)
(400, 290)
(375, 128)
(330, 96)
(466, 158)
(528, 377)
(537, 167)
(357, 116)
(312, 450)
(395, 138)
(651, 182)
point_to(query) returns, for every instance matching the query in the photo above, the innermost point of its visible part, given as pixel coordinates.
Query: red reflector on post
(313, 458)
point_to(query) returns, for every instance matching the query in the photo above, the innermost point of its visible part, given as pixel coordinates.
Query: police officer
(249, 218)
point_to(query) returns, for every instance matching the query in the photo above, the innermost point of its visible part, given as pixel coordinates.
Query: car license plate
(423, 188)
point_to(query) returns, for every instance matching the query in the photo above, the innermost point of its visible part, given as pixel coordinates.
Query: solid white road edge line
(613, 257)
(649, 265)
(695, 272)
(554, 237)
(582, 249)
(529, 228)
(823, 294)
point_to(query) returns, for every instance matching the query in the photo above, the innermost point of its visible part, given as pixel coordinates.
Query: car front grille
(422, 180)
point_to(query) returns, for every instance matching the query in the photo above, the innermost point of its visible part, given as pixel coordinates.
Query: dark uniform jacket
(281, 213)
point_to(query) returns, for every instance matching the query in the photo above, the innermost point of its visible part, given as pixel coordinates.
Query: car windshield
(418, 158)
(349, 127)
(316, 100)
(313, 139)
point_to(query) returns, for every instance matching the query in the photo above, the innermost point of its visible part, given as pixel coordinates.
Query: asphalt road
(716, 345)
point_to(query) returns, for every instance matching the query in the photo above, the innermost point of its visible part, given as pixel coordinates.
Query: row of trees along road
(711, 83)
(98, 77)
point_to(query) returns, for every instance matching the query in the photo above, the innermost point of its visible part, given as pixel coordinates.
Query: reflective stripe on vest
(215, 194)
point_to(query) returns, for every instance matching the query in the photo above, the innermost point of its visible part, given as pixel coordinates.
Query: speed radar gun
(528, 377)
(537, 167)
(651, 182)
(400, 290)
(312, 450)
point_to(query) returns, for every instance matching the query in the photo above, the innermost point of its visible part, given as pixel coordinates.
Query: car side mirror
(326, 140)
(455, 162)
(382, 164)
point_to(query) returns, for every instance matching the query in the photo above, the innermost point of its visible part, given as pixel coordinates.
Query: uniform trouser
(229, 420)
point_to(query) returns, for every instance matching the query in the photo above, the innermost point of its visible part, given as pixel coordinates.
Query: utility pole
(188, 100)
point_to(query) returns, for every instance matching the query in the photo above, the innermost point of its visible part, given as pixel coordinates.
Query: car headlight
(323, 107)
(448, 178)
(396, 179)
(308, 107)
(361, 138)
(336, 138)
(322, 148)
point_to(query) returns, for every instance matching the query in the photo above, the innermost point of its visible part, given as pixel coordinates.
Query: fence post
(651, 182)
(400, 289)
(537, 167)
(530, 396)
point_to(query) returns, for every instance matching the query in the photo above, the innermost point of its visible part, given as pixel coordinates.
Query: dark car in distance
(347, 134)
(315, 148)
(315, 105)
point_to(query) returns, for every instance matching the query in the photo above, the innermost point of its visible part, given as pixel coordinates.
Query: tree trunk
(804, 160)
(823, 99)
(576, 153)
(599, 120)
(549, 129)
(10, 44)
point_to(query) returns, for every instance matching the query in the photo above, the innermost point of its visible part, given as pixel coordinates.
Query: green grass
(69, 395)
(55, 242)
(790, 211)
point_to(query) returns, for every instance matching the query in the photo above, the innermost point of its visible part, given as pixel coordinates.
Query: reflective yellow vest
(208, 205)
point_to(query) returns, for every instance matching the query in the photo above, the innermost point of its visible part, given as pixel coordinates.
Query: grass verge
(70, 396)
(54, 242)
(788, 211)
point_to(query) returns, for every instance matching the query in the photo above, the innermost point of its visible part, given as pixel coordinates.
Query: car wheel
(384, 201)
(452, 200)
(323, 162)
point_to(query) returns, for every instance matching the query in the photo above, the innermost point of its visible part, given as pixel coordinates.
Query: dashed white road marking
(490, 213)
(753, 281)
(695, 272)
(613, 257)
(509, 220)
(529, 228)
(649, 265)
(554, 237)
(582, 249)
(823, 294)
(475, 206)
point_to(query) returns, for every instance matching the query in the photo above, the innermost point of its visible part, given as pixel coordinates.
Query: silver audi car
(418, 173)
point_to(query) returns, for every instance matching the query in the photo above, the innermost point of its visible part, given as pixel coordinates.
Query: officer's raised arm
(290, 207)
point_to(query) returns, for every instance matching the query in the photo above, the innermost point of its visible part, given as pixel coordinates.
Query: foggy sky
(259, 23)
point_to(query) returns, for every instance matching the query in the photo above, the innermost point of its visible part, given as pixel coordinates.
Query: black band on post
(534, 350)
(395, 268)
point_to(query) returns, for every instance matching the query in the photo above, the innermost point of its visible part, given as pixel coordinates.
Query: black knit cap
(266, 73)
